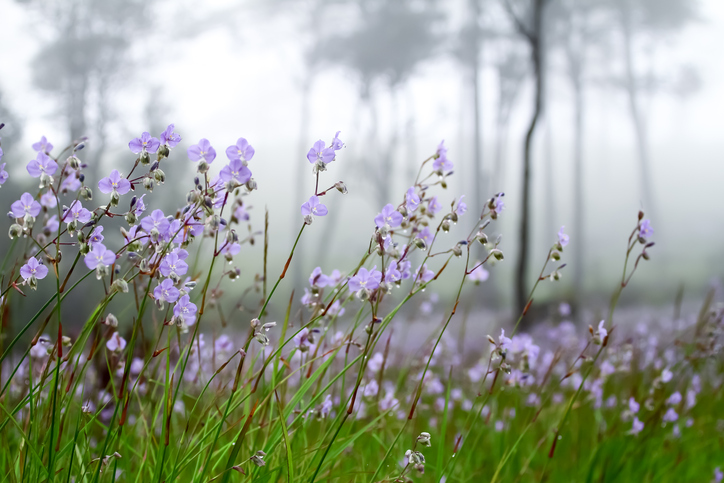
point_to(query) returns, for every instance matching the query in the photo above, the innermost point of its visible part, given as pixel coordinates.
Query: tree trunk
(639, 128)
(578, 182)
(520, 292)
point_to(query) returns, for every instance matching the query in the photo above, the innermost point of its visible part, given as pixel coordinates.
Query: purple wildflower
(562, 237)
(423, 274)
(145, 144)
(170, 138)
(645, 230)
(48, 199)
(241, 151)
(185, 310)
(718, 475)
(230, 249)
(3, 174)
(412, 200)
(33, 269)
(43, 146)
(202, 151)
(389, 216)
(637, 426)
(116, 343)
(337, 143)
(497, 206)
(393, 274)
(71, 183)
(96, 236)
(77, 213)
(318, 279)
(441, 164)
(165, 291)
(462, 207)
(433, 206)
(114, 182)
(172, 264)
(236, 170)
(301, 340)
(26, 205)
(240, 213)
(479, 274)
(365, 279)
(670, 416)
(633, 406)
(156, 220)
(320, 153)
(52, 224)
(139, 207)
(42, 164)
(313, 207)
(425, 234)
(99, 256)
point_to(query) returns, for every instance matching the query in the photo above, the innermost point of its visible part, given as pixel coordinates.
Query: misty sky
(242, 78)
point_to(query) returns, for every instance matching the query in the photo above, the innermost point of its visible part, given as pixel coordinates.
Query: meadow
(175, 388)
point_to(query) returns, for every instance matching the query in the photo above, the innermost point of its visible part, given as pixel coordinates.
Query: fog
(285, 73)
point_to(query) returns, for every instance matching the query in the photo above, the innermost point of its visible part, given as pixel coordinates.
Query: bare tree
(529, 24)
(86, 49)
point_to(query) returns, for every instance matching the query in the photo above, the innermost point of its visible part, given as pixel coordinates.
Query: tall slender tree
(529, 24)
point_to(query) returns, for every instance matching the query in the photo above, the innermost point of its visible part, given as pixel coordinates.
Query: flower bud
(87, 194)
(420, 243)
(192, 197)
(73, 162)
(131, 218)
(445, 225)
(497, 254)
(342, 188)
(115, 198)
(262, 338)
(251, 184)
(160, 176)
(555, 255)
(111, 321)
(202, 167)
(120, 285)
(308, 219)
(15, 231)
(148, 183)
(424, 439)
(458, 250)
(163, 151)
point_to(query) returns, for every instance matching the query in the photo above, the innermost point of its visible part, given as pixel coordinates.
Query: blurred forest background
(613, 106)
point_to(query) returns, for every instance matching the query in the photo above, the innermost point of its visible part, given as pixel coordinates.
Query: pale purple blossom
(479, 274)
(425, 234)
(156, 220)
(42, 164)
(645, 229)
(393, 274)
(301, 339)
(670, 416)
(461, 207)
(43, 146)
(139, 206)
(230, 249)
(99, 256)
(202, 151)
(718, 475)
(389, 216)
(441, 163)
(48, 199)
(70, 183)
(52, 224)
(170, 138)
(240, 213)
(172, 264)
(3, 174)
(114, 182)
(320, 153)
(165, 291)
(318, 279)
(313, 207)
(674, 399)
(412, 199)
(365, 279)
(337, 143)
(26, 205)
(185, 309)
(636, 427)
(423, 274)
(33, 269)
(236, 170)
(76, 212)
(241, 151)
(96, 236)
(562, 237)
(433, 206)
(336, 309)
(633, 406)
(145, 144)
(116, 343)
